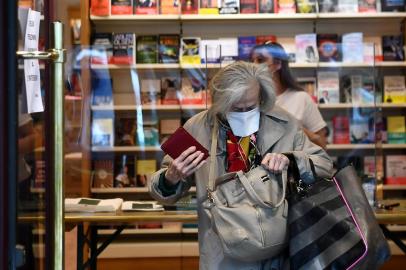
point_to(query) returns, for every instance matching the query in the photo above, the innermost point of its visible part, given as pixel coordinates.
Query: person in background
(290, 96)
(253, 132)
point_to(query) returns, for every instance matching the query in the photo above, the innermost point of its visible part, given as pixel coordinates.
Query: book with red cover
(179, 141)
(341, 130)
(100, 7)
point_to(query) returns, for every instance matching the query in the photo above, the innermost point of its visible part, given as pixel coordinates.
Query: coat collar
(271, 128)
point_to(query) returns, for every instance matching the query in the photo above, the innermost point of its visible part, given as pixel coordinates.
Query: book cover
(328, 86)
(262, 39)
(208, 7)
(372, 49)
(394, 89)
(341, 130)
(169, 6)
(192, 86)
(353, 47)
(123, 49)
(266, 6)
(102, 48)
(102, 90)
(245, 46)
(328, 47)
(121, 7)
(286, 7)
(102, 132)
(377, 129)
(169, 48)
(147, 49)
(170, 88)
(248, 6)
(392, 48)
(149, 135)
(190, 6)
(229, 6)
(169, 126)
(103, 171)
(393, 5)
(100, 7)
(309, 85)
(348, 6)
(396, 170)
(229, 50)
(396, 129)
(306, 48)
(124, 171)
(359, 126)
(125, 129)
(146, 7)
(367, 6)
(362, 89)
(326, 6)
(145, 168)
(150, 91)
(189, 51)
(306, 6)
(209, 51)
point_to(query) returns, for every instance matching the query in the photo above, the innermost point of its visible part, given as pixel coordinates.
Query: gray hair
(231, 83)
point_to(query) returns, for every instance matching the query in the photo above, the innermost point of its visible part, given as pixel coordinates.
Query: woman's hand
(275, 162)
(183, 166)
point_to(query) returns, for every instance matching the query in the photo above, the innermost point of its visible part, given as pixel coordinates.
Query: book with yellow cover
(208, 7)
(396, 129)
(190, 51)
(145, 168)
(394, 89)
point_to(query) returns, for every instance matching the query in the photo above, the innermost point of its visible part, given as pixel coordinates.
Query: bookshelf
(285, 27)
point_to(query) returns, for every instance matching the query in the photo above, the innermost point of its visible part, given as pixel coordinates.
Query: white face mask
(244, 123)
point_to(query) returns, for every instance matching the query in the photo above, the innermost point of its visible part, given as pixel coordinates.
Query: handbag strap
(213, 156)
(247, 185)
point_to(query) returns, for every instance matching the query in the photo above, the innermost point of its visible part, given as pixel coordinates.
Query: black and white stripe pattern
(323, 234)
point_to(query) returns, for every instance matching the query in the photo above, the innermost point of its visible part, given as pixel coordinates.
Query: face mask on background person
(244, 123)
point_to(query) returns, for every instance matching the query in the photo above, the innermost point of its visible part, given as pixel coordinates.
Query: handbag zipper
(260, 224)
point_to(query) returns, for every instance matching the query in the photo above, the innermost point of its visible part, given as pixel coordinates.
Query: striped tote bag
(326, 231)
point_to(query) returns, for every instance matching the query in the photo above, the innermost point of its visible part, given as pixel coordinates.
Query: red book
(190, 6)
(341, 130)
(146, 7)
(100, 7)
(263, 39)
(181, 140)
(121, 7)
(248, 6)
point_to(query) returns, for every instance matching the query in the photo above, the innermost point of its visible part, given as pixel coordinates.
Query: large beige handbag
(248, 211)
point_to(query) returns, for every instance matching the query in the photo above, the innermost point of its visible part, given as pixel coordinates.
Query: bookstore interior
(131, 72)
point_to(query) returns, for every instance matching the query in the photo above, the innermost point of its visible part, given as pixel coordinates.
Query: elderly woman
(252, 132)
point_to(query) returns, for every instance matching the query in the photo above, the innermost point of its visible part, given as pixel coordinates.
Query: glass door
(32, 160)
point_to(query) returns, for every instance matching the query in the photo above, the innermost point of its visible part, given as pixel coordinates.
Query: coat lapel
(272, 128)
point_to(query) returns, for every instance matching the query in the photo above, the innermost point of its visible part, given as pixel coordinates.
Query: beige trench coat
(278, 132)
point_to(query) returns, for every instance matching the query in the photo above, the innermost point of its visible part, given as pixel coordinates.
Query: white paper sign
(31, 67)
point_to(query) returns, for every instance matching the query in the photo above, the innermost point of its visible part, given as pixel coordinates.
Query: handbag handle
(213, 156)
(245, 182)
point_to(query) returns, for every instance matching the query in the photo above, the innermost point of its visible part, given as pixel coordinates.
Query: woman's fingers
(275, 162)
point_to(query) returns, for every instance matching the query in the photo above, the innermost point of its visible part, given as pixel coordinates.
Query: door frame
(8, 131)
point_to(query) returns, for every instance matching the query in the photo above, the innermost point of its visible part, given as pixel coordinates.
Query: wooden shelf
(364, 146)
(126, 149)
(394, 187)
(245, 17)
(217, 66)
(349, 146)
(142, 231)
(393, 146)
(126, 190)
(149, 107)
(360, 105)
(119, 190)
